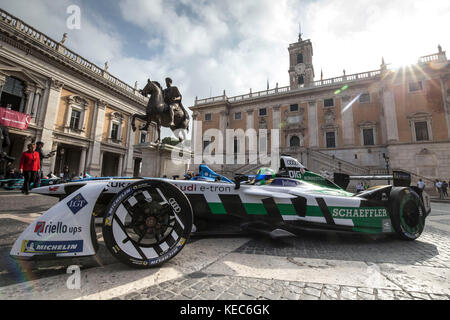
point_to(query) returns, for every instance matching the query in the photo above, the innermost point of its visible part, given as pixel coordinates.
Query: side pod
(63, 230)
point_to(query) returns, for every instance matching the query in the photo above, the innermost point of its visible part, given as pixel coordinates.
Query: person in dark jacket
(39, 147)
(30, 166)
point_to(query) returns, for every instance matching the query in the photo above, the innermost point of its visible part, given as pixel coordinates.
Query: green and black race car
(147, 221)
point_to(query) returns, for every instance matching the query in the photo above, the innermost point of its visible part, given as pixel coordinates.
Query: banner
(10, 118)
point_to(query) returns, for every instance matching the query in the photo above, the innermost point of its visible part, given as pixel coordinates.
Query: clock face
(300, 68)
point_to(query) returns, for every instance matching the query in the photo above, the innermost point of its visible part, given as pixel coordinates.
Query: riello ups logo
(77, 203)
(42, 227)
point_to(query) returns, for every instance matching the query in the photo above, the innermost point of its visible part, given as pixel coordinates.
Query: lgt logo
(77, 203)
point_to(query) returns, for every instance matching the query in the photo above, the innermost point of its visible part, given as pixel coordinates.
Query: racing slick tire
(147, 223)
(407, 213)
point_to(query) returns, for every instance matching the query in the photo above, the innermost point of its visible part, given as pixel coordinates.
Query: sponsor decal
(295, 174)
(386, 225)
(119, 184)
(53, 189)
(77, 203)
(175, 206)
(360, 213)
(32, 246)
(42, 227)
(203, 188)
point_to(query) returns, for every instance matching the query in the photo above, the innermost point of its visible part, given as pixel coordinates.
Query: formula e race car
(147, 221)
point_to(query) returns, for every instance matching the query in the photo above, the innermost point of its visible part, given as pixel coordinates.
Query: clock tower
(301, 70)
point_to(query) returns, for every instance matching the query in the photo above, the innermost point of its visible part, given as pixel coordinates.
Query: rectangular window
(206, 144)
(415, 86)
(294, 107)
(238, 116)
(328, 102)
(114, 131)
(263, 112)
(236, 146)
(331, 140)
(75, 119)
(368, 137)
(364, 98)
(421, 131)
(208, 117)
(143, 137)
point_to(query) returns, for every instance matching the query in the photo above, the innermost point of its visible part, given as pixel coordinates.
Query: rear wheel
(407, 213)
(147, 223)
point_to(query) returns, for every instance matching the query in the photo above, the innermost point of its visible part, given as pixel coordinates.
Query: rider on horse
(172, 97)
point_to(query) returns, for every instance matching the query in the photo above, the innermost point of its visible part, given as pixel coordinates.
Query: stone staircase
(321, 162)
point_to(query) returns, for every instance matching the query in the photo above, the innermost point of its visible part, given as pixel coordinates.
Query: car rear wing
(399, 178)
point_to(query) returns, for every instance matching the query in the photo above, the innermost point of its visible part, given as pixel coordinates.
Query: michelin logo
(31, 246)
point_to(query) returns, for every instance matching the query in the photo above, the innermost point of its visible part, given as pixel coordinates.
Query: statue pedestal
(160, 160)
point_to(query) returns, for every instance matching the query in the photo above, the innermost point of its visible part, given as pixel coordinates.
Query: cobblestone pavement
(317, 265)
(389, 255)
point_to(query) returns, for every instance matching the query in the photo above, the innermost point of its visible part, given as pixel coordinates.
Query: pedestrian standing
(444, 188)
(439, 188)
(30, 166)
(39, 147)
(421, 186)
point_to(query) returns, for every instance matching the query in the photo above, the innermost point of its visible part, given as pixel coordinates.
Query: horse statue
(158, 111)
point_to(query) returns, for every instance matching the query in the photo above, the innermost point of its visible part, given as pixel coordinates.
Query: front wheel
(147, 223)
(407, 213)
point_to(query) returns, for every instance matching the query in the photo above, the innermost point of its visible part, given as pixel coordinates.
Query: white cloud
(209, 46)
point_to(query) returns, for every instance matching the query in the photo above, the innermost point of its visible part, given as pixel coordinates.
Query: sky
(210, 46)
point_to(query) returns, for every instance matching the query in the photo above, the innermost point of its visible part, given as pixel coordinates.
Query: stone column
(197, 142)
(252, 147)
(446, 100)
(51, 113)
(129, 154)
(275, 137)
(97, 156)
(2, 82)
(82, 166)
(29, 93)
(313, 125)
(390, 115)
(36, 102)
(53, 159)
(223, 125)
(120, 169)
(99, 171)
(348, 131)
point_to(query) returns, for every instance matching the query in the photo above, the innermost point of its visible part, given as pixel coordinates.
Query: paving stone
(385, 294)
(401, 295)
(189, 293)
(312, 292)
(226, 296)
(318, 286)
(365, 290)
(365, 296)
(419, 295)
(439, 297)
(253, 292)
(308, 297)
(329, 294)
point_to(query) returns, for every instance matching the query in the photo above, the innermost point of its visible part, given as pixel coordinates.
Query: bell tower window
(299, 58)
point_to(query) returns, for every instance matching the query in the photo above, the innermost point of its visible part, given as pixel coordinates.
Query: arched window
(299, 58)
(13, 95)
(294, 142)
(301, 80)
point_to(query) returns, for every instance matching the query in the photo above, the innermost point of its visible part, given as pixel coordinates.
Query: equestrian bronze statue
(164, 108)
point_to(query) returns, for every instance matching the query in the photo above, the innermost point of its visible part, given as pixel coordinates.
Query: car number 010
(175, 206)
